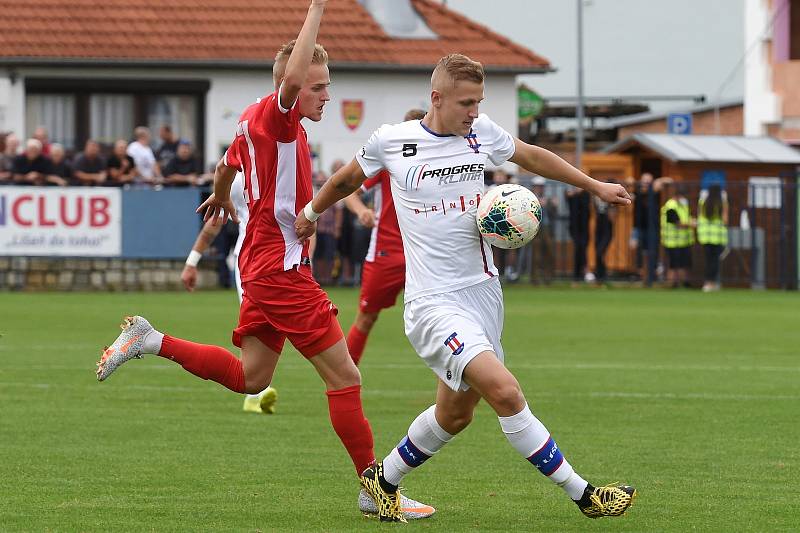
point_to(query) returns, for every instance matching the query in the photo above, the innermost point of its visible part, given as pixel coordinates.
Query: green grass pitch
(693, 398)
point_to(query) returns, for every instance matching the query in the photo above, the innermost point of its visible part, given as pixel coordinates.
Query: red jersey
(385, 240)
(271, 150)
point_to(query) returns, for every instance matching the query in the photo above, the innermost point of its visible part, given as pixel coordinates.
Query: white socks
(532, 440)
(152, 342)
(257, 395)
(425, 437)
(524, 431)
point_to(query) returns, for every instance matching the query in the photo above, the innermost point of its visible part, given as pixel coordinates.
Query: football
(509, 216)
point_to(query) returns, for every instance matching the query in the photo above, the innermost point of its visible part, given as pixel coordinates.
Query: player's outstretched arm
(219, 204)
(366, 216)
(300, 59)
(201, 244)
(343, 183)
(546, 163)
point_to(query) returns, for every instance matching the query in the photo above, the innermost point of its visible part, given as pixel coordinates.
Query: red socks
(205, 361)
(356, 340)
(218, 364)
(347, 418)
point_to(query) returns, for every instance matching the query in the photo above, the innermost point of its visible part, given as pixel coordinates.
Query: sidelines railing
(762, 251)
(97, 222)
(145, 224)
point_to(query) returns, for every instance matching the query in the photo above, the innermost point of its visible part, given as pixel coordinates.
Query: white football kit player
(453, 300)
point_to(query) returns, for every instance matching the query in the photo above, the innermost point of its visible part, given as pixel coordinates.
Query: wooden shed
(760, 176)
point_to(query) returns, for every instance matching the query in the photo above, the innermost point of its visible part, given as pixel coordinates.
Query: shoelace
(604, 495)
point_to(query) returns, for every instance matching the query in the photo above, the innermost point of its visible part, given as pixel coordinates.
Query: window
(111, 117)
(76, 109)
(764, 192)
(56, 112)
(177, 111)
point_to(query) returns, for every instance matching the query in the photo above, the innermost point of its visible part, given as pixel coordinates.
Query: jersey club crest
(352, 112)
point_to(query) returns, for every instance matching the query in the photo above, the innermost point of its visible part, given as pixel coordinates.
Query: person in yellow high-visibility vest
(712, 232)
(677, 234)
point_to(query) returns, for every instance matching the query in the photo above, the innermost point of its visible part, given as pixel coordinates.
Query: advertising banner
(60, 221)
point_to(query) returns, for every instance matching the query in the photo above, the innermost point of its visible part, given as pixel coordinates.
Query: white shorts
(448, 330)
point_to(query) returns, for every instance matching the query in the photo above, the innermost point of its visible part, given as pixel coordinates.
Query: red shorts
(291, 305)
(381, 282)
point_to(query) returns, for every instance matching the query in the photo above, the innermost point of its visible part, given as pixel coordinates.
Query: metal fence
(762, 249)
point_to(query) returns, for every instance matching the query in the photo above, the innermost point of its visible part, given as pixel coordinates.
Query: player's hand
(367, 218)
(189, 277)
(303, 227)
(214, 209)
(613, 193)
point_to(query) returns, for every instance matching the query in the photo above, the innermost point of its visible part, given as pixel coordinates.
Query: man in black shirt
(90, 166)
(121, 167)
(183, 170)
(62, 168)
(169, 146)
(32, 168)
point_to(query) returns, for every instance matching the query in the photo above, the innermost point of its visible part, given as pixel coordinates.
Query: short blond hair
(453, 68)
(320, 57)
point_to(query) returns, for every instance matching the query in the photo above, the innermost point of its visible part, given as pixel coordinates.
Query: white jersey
(143, 158)
(239, 202)
(437, 182)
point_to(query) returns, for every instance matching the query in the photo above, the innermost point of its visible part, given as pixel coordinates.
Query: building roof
(650, 116)
(238, 33)
(711, 148)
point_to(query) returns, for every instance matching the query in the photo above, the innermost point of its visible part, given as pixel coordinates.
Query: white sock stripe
(422, 448)
(394, 468)
(152, 342)
(518, 422)
(539, 446)
(430, 417)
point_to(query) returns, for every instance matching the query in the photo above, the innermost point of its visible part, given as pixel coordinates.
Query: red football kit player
(281, 299)
(384, 272)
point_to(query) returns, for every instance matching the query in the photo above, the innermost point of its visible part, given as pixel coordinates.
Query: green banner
(529, 104)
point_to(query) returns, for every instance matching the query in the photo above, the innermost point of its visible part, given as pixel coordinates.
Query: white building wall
(12, 104)
(761, 105)
(386, 97)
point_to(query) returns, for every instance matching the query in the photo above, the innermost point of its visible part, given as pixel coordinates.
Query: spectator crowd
(342, 240)
(124, 164)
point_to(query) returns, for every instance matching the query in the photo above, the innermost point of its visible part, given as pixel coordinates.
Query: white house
(99, 71)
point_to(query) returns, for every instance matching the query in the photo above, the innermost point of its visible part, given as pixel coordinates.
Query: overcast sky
(631, 47)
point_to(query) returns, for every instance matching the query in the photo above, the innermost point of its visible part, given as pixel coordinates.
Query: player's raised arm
(300, 59)
(343, 183)
(546, 163)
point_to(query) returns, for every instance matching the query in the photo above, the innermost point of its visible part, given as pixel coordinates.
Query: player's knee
(345, 376)
(365, 321)
(507, 398)
(458, 422)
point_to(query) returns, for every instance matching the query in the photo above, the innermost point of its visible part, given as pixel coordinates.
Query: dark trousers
(579, 230)
(712, 253)
(603, 232)
(224, 243)
(543, 258)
